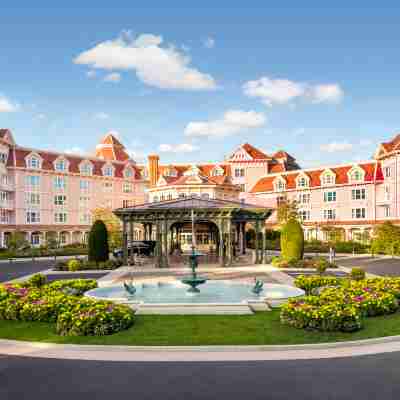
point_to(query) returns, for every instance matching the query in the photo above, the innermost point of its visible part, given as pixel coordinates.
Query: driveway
(366, 377)
(374, 265)
(17, 269)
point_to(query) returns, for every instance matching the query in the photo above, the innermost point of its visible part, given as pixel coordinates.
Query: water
(219, 292)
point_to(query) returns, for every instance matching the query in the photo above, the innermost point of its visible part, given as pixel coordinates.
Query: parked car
(142, 247)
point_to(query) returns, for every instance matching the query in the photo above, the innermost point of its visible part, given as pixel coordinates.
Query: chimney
(153, 168)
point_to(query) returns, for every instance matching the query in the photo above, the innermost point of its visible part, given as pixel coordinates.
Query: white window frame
(361, 196)
(359, 213)
(329, 214)
(330, 196)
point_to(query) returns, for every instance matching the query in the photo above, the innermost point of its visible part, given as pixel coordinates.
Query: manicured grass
(258, 329)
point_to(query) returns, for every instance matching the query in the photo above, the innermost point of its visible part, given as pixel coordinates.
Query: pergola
(229, 217)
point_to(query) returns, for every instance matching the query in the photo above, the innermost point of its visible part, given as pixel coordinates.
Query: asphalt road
(18, 269)
(378, 266)
(368, 377)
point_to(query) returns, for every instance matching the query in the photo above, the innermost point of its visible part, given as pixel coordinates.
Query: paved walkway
(383, 266)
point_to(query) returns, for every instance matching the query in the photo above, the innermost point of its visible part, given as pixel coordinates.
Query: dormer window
(280, 185)
(34, 162)
(86, 168)
(108, 170)
(302, 181)
(217, 171)
(61, 165)
(328, 178)
(171, 172)
(128, 173)
(3, 158)
(356, 174)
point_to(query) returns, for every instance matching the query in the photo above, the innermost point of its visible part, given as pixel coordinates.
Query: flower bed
(334, 304)
(307, 262)
(62, 302)
(83, 265)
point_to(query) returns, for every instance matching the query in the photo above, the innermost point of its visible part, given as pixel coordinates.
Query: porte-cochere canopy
(166, 221)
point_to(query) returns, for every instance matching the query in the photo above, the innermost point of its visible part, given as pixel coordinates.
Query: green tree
(17, 242)
(113, 224)
(287, 210)
(292, 241)
(98, 242)
(386, 239)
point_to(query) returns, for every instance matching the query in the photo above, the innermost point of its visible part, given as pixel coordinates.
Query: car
(142, 247)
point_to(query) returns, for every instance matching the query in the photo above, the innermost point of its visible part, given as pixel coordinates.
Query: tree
(98, 242)
(17, 242)
(386, 239)
(292, 241)
(112, 223)
(287, 210)
(333, 233)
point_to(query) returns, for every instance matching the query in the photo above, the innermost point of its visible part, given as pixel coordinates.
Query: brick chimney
(153, 168)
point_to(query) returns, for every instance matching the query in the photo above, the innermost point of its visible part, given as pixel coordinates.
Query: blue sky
(193, 82)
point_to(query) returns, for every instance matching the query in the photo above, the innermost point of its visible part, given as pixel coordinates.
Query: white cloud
(41, 116)
(330, 93)
(177, 148)
(91, 73)
(232, 122)
(7, 106)
(284, 91)
(335, 147)
(209, 42)
(163, 67)
(75, 150)
(113, 77)
(101, 115)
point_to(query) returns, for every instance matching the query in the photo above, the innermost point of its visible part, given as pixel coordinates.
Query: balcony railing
(7, 186)
(7, 204)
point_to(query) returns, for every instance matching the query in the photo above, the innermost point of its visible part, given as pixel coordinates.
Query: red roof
(48, 159)
(373, 172)
(110, 148)
(392, 145)
(254, 152)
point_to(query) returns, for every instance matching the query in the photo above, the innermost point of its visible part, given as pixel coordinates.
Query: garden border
(358, 348)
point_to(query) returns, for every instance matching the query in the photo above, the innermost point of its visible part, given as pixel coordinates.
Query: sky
(193, 80)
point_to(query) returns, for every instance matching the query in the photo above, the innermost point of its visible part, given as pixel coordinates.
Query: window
(358, 194)
(280, 186)
(182, 195)
(60, 200)
(302, 182)
(84, 185)
(125, 203)
(4, 197)
(84, 201)
(171, 172)
(61, 165)
(4, 217)
(60, 183)
(387, 193)
(86, 169)
(60, 217)
(169, 197)
(85, 219)
(205, 196)
(217, 172)
(3, 158)
(107, 186)
(387, 172)
(128, 173)
(32, 199)
(329, 196)
(35, 239)
(34, 162)
(330, 214)
(32, 217)
(108, 170)
(387, 211)
(239, 172)
(328, 179)
(304, 198)
(358, 213)
(304, 215)
(32, 181)
(280, 199)
(356, 175)
(242, 187)
(127, 187)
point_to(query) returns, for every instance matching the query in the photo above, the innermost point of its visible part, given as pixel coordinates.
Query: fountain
(193, 281)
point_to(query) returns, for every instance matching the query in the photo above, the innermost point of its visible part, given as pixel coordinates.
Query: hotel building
(44, 193)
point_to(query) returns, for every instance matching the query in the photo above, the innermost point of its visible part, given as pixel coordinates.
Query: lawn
(167, 330)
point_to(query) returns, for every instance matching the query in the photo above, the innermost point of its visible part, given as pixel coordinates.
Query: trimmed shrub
(74, 265)
(321, 265)
(357, 274)
(98, 242)
(37, 280)
(292, 241)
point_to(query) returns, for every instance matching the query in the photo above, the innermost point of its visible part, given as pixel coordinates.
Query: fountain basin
(214, 293)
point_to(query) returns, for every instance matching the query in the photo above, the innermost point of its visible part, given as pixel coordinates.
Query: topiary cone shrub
(292, 241)
(98, 243)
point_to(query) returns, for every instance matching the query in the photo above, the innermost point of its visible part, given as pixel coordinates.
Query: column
(229, 244)
(264, 244)
(257, 244)
(221, 243)
(241, 247)
(131, 232)
(165, 237)
(158, 248)
(124, 241)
